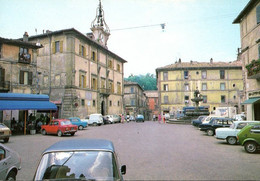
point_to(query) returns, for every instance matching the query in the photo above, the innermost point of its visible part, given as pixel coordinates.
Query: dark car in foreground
(249, 137)
(10, 163)
(80, 159)
(215, 123)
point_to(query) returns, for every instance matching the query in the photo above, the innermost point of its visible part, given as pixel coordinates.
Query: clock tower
(99, 27)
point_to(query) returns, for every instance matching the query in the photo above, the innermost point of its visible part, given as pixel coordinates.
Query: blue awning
(15, 101)
(251, 100)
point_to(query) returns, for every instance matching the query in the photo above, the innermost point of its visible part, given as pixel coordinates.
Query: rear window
(255, 129)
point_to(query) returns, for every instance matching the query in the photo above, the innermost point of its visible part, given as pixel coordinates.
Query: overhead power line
(145, 26)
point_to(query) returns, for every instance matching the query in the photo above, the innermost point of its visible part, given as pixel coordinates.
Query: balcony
(104, 92)
(253, 69)
(4, 86)
(24, 58)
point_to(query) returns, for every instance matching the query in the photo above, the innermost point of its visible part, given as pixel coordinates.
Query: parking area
(154, 151)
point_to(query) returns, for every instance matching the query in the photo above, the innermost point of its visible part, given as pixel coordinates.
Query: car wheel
(6, 140)
(250, 147)
(80, 127)
(95, 124)
(59, 133)
(210, 132)
(72, 134)
(11, 176)
(44, 132)
(231, 140)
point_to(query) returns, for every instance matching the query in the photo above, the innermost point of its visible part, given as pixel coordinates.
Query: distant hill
(147, 82)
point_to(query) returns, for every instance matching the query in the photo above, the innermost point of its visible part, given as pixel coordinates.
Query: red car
(59, 127)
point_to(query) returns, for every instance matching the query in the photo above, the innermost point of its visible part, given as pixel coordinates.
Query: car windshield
(83, 165)
(65, 123)
(2, 126)
(232, 126)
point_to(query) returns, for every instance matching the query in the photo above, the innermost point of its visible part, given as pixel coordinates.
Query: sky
(195, 30)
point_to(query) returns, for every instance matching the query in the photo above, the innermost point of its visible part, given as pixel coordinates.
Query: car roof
(60, 120)
(237, 122)
(81, 144)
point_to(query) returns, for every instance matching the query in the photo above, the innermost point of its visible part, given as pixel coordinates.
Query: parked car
(249, 137)
(80, 159)
(95, 119)
(10, 163)
(5, 132)
(139, 118)
(59, 127)
(198, 121)
(132, 118)
(116, 118)
(86, 119)
(239, 117)
(215, 123)
(230, 134)
(107, 119)
(77, 121)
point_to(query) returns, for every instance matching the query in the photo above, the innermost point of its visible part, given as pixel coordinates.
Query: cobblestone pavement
(154, 151)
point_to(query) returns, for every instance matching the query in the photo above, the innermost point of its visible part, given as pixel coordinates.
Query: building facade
(249, 54)
(153, 105)
(78, 72)
(220, 83)
(135, 100)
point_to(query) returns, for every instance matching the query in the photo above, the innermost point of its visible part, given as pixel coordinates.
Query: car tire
(72, 134)
(11, 176)
(59, 133)
(210, 132)
(231, 140)
(44, 132)
(94, 124)
(250, 147)
(80, 127)
(6, 140)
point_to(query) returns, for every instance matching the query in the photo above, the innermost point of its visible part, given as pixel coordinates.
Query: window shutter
(53, 47)
(84, 52)
(79, 80)
(21, 77)
(2, 73)
(61, 46)
(258, 14)
(30, 78)
(80, 52)
(84, 82)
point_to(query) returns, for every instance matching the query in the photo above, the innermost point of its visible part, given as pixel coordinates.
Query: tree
(147, 82)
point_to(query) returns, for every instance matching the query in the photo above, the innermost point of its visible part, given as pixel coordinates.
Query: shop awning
(251, 100)
(16, 101)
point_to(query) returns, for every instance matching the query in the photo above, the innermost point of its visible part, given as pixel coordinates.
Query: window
(82, 102)
(110, 103)
(258, 14)
(186, 74)
(165, 98)
(24, 55)
(222, 86)
(223, 99)
(118, 103)
(255, 129)
(186, 87)
(25, 77)
(2, 76)
(118, 67)
(0, 50)
(57, 46)
(2, 154)
(118, 87)
(205, 99)
(165, 87)
(204, 86)
(110, 64)
(93, 56)
(203, 74)
(111, 86)
(165, 75)
(94, 103)
(82, 51)
(132, 90)
(186, 99)
(222, 74)
(94, 84)
(82, 80)
(132, 102)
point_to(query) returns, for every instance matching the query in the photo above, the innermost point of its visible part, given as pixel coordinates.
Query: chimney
(211, 60)
(191, 61)
(25, 37)
(179, 60)
(90, 35)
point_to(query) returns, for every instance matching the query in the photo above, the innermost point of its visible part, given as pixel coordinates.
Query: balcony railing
(24, 58)
(104, 91)
(253, 69)
(4, 85)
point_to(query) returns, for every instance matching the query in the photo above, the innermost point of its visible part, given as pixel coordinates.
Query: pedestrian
(163, 118)
(122, 118)
(159, 118)
(154, 117)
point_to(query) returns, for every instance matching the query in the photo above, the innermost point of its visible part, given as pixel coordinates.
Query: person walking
(163, 118)
(159, 118)
(122, 118)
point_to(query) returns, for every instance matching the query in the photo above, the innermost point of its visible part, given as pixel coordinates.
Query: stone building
(135, 100)
(78, 71)
(152, 96)
(249, 54)
(220, 83)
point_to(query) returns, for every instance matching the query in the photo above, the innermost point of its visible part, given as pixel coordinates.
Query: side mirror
(123, 169)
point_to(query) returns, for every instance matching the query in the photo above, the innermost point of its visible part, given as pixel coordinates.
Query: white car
(10, 163)
(95, 119)
(230, 134)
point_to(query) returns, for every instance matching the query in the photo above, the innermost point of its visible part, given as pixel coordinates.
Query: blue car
(140, 118)
(76, 121)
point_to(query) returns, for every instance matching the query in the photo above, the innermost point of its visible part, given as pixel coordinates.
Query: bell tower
(99, 27)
